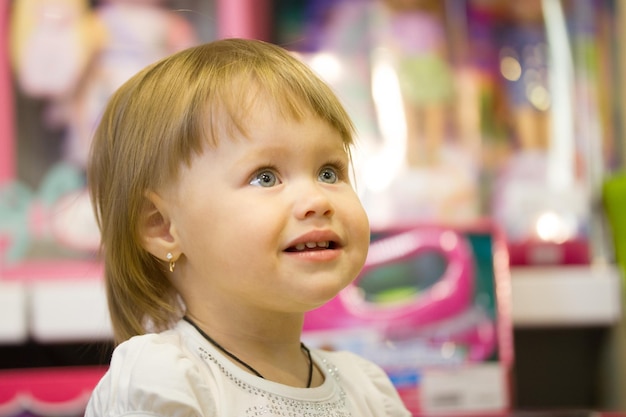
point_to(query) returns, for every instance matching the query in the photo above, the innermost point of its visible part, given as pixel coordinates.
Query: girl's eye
(329, 175)
(264, 179)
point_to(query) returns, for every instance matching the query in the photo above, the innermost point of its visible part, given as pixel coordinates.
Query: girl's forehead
(241, 117)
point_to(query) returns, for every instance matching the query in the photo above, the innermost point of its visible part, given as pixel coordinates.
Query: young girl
(220, 178)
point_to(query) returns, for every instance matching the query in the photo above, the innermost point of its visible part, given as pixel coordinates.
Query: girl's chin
(323, 297)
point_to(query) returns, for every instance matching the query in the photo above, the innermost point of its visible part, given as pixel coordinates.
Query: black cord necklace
(241, 362)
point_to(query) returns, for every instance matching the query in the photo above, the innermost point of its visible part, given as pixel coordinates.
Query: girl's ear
(156, 231)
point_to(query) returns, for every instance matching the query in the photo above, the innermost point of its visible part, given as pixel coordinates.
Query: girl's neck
(249, 326)
(271, 348)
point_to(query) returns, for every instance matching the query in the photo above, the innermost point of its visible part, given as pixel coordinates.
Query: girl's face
(268, 222)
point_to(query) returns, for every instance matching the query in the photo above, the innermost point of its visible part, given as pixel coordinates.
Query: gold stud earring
(170, 258)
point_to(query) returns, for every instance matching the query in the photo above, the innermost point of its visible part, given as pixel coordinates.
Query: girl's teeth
(311, 245)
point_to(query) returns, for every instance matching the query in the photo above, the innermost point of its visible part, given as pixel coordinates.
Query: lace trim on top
(271, 404)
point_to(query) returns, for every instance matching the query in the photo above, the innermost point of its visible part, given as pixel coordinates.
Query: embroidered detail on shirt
(277, 405)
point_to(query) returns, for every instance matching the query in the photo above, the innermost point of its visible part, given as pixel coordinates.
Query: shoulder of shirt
(142, 353)
(151, 374)
(362, 375)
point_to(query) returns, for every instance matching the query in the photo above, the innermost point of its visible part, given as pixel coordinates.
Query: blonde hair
(155, 123)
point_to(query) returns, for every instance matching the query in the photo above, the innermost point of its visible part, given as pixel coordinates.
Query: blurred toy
(74, 57)
(58, 212)
(392, 66)
(540, 198)
(77, 57)
(52, 42)
(524, 66)
(138, 33)
(415, 34)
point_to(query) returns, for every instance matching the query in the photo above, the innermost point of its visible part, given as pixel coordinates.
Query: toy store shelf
(53, 310)
(50, 303)
(13, 326)
(62, 309)
(565, 296)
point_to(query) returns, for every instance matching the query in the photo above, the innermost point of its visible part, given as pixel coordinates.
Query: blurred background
(493, 119)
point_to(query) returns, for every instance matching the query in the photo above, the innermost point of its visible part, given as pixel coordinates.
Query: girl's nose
(312, 201)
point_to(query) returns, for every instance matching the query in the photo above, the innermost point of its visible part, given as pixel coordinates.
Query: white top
(179, 373)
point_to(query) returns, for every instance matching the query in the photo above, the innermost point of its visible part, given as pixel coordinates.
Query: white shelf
(13, 312)
(68, 310)
(53, 311)
(565, 296)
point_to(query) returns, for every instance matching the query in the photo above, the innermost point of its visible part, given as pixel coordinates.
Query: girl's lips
(314, 255)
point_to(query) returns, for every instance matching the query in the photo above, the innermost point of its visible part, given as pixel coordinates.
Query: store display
(545, 61)
(70, 56)
(526, 137)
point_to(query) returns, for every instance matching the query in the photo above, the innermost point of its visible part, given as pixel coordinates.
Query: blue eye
(264, 179)
(329, 175)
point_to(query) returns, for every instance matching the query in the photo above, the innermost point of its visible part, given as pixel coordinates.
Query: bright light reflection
(552, 227)
(538, 96)
(387, 97)
(448, 350)
(327, 65)
(510, 68)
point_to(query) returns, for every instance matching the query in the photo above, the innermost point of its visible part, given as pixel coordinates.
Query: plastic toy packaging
(546, 60)
(77, 56)
(393, 64)
(472, 109)
(430, 307)
(68, 57)
(539, 193)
